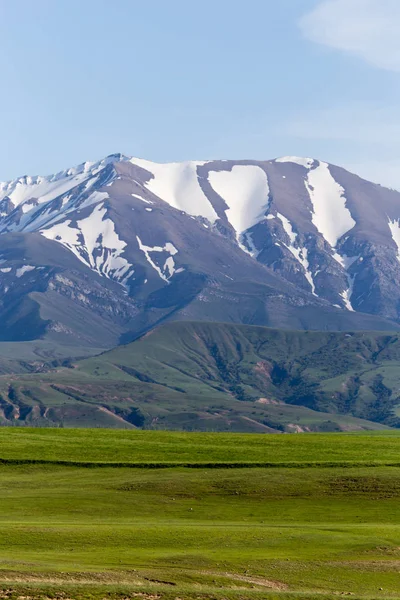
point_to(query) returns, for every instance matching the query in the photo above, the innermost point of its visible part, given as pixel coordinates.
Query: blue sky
(177, 80)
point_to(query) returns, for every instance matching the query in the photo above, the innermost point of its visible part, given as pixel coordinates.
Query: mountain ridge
(99, 253)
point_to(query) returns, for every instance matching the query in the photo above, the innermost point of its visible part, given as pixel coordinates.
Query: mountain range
(99, 254)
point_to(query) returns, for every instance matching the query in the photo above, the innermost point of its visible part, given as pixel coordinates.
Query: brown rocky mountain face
(99, 254)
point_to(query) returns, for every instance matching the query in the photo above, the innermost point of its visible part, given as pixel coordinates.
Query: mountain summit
(97, 254)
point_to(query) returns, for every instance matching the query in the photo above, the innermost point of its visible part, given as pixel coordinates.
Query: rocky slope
(98, 254)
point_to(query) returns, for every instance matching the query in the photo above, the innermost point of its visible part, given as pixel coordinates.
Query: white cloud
(369, 29)
(362, 138)
(357, 122)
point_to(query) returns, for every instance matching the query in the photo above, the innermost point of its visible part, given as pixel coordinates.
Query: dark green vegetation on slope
(223, 377)
(119, 532)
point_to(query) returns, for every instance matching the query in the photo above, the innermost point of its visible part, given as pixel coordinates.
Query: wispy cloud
(363, 138)
(353, 122)
(369, 29)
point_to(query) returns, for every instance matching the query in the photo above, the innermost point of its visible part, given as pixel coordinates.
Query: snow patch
(171, 249)
(45, 189)
(41, 189)
(248, 245)
(24, 269)
(300, 254)
(297, 160)
(142, 199)
(287, 226)
(330, 215)
(394, 227)
(31, 192)
(170, 266)
(245, 190)
(166, 270)
(94, 242)
(27, 206)
(63, 233)
(94, 198)
(178, 185)
(346, 294)
(346, 262)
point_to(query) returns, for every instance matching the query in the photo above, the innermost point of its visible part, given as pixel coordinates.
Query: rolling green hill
(219, 377)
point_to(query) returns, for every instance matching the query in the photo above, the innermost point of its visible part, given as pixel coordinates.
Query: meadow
(118, 514)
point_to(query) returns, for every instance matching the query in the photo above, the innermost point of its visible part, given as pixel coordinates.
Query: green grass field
(307, 527)
(161, 447)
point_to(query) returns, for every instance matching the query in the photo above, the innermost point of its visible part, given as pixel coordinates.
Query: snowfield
(178, 185)
(245, 191)
(330, 216)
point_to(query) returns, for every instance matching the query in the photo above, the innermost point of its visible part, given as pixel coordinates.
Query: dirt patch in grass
(120, 578)
(260, 581)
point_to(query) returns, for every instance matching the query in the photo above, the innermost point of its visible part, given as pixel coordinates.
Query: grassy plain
(305, 528)
(174, 447)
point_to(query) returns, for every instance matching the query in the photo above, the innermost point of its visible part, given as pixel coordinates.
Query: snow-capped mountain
(103, 251)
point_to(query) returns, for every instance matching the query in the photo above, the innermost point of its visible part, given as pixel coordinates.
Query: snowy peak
(141, 223)
(242, 188)
(40, 189)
